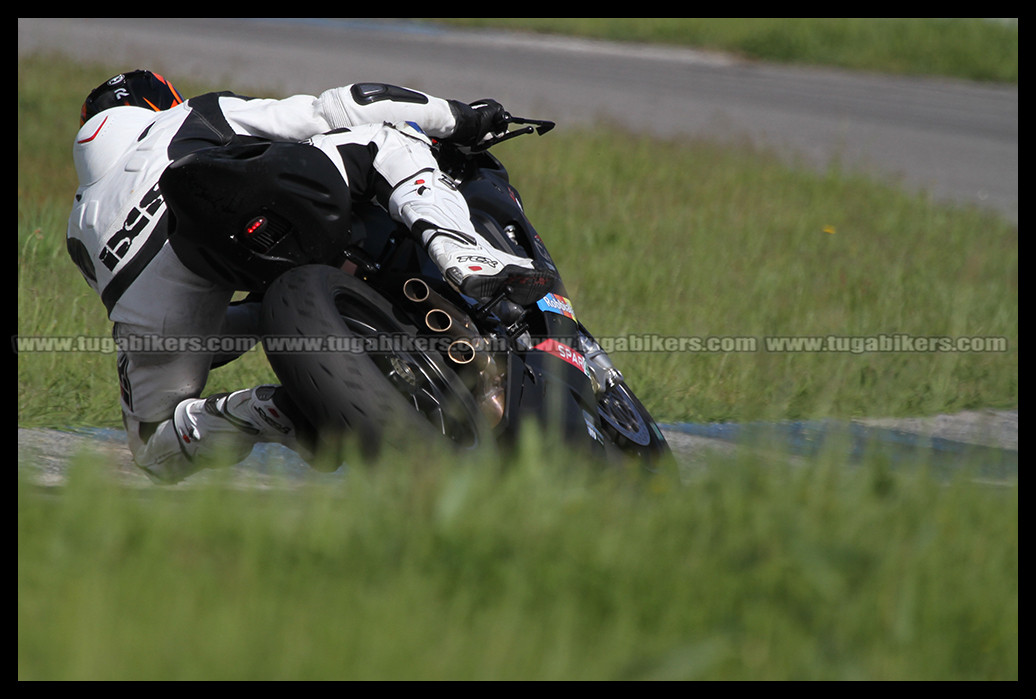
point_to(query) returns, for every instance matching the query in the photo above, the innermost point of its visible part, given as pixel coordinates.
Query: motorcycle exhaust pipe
(416, 290)
(464, 351)
(489, 391)
(440, 317)
(468, 346)
(461, 352)
(438, 320)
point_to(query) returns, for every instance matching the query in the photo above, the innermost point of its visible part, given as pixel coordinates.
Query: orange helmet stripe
(176, 95)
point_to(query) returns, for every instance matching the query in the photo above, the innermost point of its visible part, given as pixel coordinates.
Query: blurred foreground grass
(545, 568)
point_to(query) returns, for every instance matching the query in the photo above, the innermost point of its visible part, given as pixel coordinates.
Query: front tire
(632, 429)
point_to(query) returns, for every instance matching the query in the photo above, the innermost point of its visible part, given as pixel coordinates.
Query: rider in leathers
(136, 124)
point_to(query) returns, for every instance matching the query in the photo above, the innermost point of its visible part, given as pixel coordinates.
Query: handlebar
(540, 126)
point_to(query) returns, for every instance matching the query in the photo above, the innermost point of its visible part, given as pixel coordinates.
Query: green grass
(692, 239)
(678, 239)
(539, 571)
(968, 48)
(547, 568)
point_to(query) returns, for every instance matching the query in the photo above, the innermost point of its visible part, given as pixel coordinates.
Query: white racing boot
(219, 431)
(479, 270)
(427, 201)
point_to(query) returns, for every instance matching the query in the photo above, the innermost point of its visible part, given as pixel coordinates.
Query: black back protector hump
(243, 214)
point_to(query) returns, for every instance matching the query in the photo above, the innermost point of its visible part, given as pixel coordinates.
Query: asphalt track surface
(957, 141)
(984, 444)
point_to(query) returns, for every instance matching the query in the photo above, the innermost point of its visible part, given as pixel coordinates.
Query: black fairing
(244, 214)
(541, 385)
(551, 392)
(495, 204)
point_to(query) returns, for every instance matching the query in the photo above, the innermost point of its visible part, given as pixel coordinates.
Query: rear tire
(371, 385)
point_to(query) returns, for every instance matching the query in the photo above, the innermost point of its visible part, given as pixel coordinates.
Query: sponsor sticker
(555, 303)
(563, 351)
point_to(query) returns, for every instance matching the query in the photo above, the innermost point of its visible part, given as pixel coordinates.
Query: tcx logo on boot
(478, 260)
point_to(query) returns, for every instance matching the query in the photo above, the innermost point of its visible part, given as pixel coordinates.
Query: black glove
(476, 121)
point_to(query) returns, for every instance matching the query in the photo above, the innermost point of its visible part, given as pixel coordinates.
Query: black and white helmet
(138, 88)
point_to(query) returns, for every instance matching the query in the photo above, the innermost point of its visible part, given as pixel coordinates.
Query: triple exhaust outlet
(468, 348)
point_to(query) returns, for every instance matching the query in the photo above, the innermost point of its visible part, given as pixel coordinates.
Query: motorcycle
(396, 352)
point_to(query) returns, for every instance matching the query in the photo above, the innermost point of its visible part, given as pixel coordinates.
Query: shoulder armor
(105, 138)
